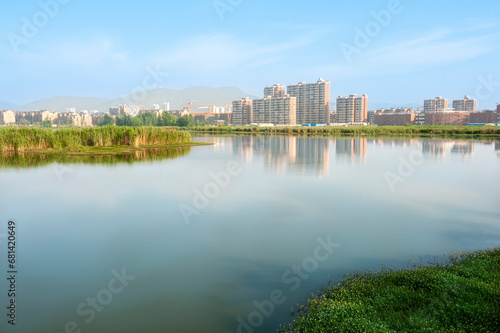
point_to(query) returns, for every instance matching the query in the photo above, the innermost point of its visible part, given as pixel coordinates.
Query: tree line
(149, 119)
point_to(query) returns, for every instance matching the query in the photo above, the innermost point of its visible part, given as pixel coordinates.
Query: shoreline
(359, 131)
(461, 295)
(110, 150)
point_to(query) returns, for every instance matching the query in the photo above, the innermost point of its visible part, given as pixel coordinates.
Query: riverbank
(460, 296)
(369, 131)
(95, 140)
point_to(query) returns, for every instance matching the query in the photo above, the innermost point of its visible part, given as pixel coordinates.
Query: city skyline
(396, 52)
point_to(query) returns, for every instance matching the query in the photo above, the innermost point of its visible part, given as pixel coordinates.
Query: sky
(395, 51)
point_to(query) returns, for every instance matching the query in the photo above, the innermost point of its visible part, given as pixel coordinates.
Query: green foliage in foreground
(149, 119)
(25, 139)
(461, 296)
(360, 130)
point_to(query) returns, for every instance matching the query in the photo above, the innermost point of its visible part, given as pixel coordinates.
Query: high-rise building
(435, 105)
(275, 110)
(277, 90)
(242, 112)
(313, 102)
(466, 104)
(498, 113)
(352, 109)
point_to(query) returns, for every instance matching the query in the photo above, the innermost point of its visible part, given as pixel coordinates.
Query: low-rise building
(485, 117)
(33, 117)
(86, 119)
(394, 117)
(447, 117)
(97, 118)
(68, 119)
(120, 110)
(7, 117)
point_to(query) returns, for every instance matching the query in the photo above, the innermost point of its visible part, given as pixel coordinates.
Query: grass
(462, 295)
(422, 131)
(38, 139)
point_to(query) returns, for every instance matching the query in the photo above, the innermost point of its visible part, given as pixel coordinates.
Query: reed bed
(29, 139)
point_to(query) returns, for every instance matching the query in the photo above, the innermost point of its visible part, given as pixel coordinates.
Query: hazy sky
(410, 51)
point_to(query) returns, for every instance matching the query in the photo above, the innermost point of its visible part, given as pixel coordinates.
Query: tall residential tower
(466, 104)
(352, 109)
(435, 105)
(313, 102)
(242, 112)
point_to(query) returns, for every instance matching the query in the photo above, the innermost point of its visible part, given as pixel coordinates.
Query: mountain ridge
(146, 98)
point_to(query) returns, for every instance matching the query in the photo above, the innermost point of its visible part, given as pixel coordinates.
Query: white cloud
(436, 49)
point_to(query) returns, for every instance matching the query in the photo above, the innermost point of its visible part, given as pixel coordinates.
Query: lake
(229, 237)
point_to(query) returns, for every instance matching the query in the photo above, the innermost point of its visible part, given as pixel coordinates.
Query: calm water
(196, 255)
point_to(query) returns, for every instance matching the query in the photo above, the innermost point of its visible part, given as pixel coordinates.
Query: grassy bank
(424, 131)
(461, 296)
(35, 139)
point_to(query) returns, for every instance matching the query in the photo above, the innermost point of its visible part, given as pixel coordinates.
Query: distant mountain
(7, 106)
(195, 95)
(61, 103)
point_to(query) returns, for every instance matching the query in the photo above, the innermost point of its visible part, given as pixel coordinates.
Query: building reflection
(394, 143)
(436, 149)
(439, 148)
(463, 148)
(309, 156)
(352, 149)
(312, 156)
(244, 146)
(220, 144)
(497, 147)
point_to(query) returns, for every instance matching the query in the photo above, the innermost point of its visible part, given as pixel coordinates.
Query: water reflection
(463, 148)
(355, 149)
(314, 156)
(203, 276)
(30, 160)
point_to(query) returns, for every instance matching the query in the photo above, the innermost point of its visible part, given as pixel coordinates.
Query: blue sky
(108, 48)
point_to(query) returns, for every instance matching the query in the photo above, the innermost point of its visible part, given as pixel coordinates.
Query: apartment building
(275, 110)
(276, 90)
(242, 112)
(313, 101)
(436, 104)
(466, 104)
(352, 109)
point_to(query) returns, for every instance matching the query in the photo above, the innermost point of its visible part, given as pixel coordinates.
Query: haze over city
(396, 52)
